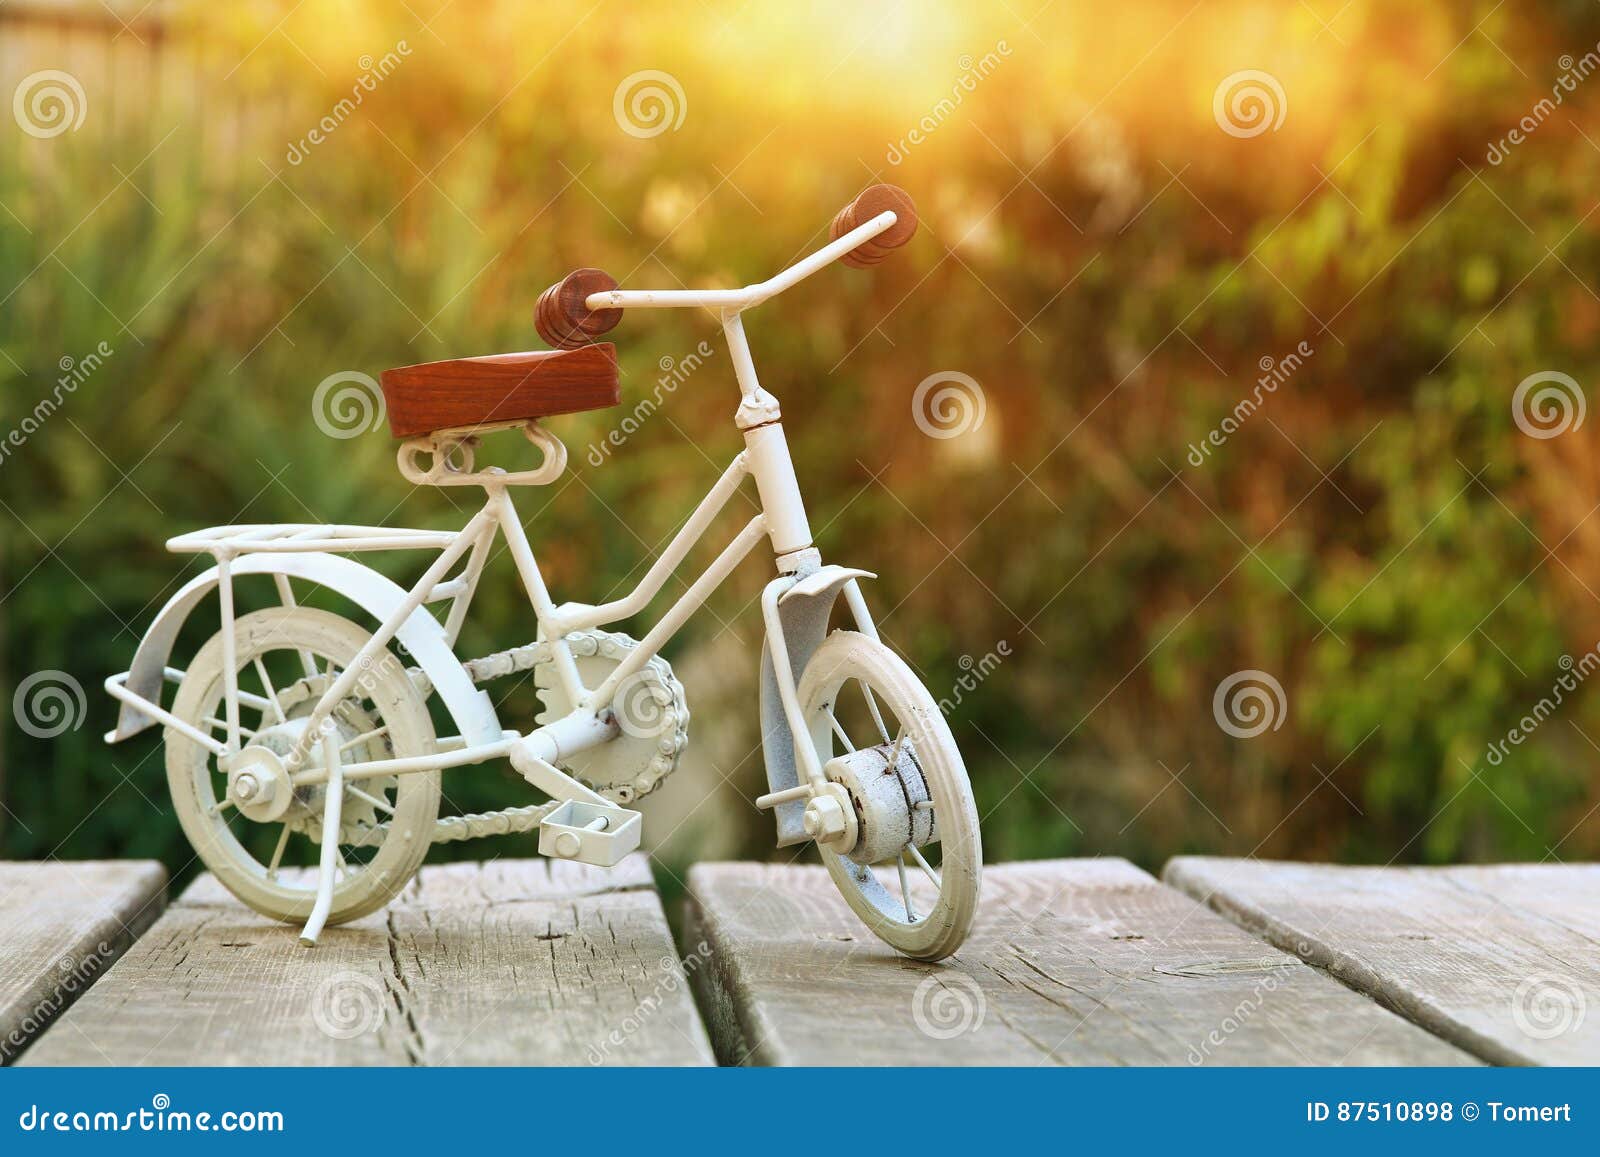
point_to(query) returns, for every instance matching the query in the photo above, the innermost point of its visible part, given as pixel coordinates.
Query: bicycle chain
(513, 820)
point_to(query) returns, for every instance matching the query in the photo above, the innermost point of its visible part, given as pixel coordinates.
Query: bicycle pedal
(597, 834)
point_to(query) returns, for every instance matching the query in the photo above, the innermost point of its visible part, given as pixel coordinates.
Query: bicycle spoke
(373, 800)
(839, 731)
(308, 663)
(373, 734)
(272, 694)
(872, 706)
(894, 752)
(925, 866)
(905, 887)
(277, 854)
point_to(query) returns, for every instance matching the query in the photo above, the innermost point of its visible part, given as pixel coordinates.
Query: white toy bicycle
(296, 728)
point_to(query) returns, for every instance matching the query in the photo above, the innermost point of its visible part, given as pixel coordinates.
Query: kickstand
(332, 806)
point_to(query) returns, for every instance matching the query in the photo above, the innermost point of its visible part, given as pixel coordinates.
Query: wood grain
(65, 923)
(499, 388)
(1500, 960)
(523, 962)
(1071, 962)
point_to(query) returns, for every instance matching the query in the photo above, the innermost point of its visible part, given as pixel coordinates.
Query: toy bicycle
(294, 727)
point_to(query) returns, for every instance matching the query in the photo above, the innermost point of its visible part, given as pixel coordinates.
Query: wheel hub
(258, 784)
(271, 793)
(885, 797)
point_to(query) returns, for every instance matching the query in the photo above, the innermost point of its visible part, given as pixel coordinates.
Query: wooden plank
(523, 962)
(1499, 960)
(1071, 962)
(65, 924)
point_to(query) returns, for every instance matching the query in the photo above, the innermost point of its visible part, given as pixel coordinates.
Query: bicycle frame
(782, 519)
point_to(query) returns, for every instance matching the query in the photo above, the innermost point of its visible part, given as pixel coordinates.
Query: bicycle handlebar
(587, 303)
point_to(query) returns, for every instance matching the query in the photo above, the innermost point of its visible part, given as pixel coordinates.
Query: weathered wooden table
(1074, 962)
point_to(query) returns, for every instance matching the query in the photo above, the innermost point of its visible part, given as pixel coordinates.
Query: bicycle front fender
(803, 613)
(421, 635)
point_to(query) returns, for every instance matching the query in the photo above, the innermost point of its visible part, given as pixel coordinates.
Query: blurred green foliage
(1108, 264)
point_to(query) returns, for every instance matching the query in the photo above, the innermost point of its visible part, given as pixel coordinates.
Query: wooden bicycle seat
(499, 388)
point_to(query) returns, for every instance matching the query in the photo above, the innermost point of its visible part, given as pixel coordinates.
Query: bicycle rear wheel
(287, 657)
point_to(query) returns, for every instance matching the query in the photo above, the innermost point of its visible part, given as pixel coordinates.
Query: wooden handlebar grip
(562, 317)
(871, 202)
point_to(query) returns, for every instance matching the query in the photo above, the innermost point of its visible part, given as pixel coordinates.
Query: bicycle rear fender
(803, 612)
(421, 635)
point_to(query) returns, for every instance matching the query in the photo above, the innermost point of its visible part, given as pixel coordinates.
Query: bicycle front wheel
(912, 873)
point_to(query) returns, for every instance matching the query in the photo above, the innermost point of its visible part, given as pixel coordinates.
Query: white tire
(921, 907)
(388, 821)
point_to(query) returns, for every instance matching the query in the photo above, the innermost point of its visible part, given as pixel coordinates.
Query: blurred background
(1220, 440)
